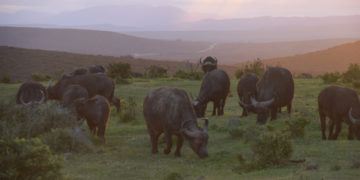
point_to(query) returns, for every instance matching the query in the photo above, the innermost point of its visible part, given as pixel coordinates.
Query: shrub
(40, 77)
(75, 139)
(5, 79)
(119, 70)
(129, 110)
(236, 132)
(331, 77)
(192, 75)
(356, 84)
(28, 159)
(156, 72)
(24, 121)
(352, 73)
(256, 67)
(296, 127)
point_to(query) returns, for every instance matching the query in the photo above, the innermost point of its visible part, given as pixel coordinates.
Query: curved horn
(50, 82)
(195, 102)
(200, 60)
(352, 119)
(206, 123)
(241, 103)
(22, 101)
(261, 103)
(193, 134)
(42, 100)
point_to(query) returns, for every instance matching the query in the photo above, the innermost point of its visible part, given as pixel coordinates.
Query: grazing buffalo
(31, 93)
(72, 93)
(93, 83)
(246, 89)
(96, 111)
(214, 87)
(208, 64)
(274, 90)
(169, 110)
(340, 105)
(91, 69)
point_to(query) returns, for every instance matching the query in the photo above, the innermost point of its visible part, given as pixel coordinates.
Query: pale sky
(198, 9)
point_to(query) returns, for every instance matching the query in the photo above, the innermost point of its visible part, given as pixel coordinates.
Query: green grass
(127, 152)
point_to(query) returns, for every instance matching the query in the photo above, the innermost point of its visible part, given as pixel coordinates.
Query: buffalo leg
(222, 105)
(337, 129)
(289, 106)
(331, 129)
(92, 127)
(101, 132)
(245, 112)
(323, 125)
(279, 110)
(154, 141)
(168, 141)
(273, 113)
(180, 141)
(350, 133)
(216, 104)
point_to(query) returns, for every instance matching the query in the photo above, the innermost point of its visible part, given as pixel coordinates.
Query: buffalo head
(262, 108)
(198, 140)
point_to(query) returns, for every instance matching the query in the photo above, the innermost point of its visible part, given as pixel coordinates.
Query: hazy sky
(198, 9)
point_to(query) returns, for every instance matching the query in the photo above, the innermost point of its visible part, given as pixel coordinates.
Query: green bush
(352, 74)
(5, 79)
(256, 67)
(40, 77)
(26, 122)
(356, 84)
(129, 110)
(296, 127)
(28, 159)
(192, 75)
(74, 139)
(156, 72)
(119, 70)
(331, 77)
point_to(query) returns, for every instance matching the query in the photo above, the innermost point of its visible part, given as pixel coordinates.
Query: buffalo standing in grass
(169, 110)
(96, 111)
(246, 89)
(31, 93)
(274, 90)
(93, 83)
(72, 93)
(214, 87)
(208, 64)
(340, 105)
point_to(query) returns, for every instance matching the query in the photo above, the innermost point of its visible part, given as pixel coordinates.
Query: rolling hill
(117, 44)
(335, 59)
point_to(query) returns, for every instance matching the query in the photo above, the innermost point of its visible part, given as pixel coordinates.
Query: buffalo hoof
(167, 151)
(154, 151)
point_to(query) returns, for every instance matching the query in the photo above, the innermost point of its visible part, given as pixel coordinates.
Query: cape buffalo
(72, 93)
(340, 105)
(90, 69)
(246, 88)
(96, 111)
(274, 90)
(214, 87)
(208, 64)
(93, 83)
(31, 93)
(169, 110)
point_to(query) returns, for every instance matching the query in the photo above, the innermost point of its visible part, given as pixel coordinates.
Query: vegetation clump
(156, 72)
(5, 79)
(192, 75)
(40, 77)
(331, 77)
(296, 127)
(119, 70)
(352, 74)
(129, 110)
(256, 67)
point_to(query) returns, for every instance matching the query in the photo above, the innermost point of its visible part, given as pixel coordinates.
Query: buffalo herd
(89, 93)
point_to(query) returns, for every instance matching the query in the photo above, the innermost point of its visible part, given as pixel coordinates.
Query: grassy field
(126, 154)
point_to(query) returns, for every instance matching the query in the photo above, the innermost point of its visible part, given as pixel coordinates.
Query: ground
(127, 153)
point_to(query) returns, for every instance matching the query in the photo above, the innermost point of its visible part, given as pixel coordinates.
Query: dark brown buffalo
(93, 83)
(246, 89)
(214, 87)
(274, 90)
(169, 110)
(31, 93)
(72, 93)
(339, 105)
(208, 64)
(96, 111)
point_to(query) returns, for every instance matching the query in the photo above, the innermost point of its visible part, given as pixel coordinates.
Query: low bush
(296, 127)
(192, 75)
(28, 159)
(256, 67)
(356, 84)
(129, 110)
(331, 77)
(119, 70)
(156, 72)
(40, 77)
(5, 79)
(352, 74)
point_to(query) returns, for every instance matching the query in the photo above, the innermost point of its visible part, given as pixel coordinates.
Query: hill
(117, 44)
(20, 63)
(335, 59)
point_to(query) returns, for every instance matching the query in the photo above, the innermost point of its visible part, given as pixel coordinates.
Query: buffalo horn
(261, 103)
(50, 82)
(206, 123)
(22, 101)
(195, 102)
(352, 119)
(193, 134)
(200, 60)
(42, 98)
